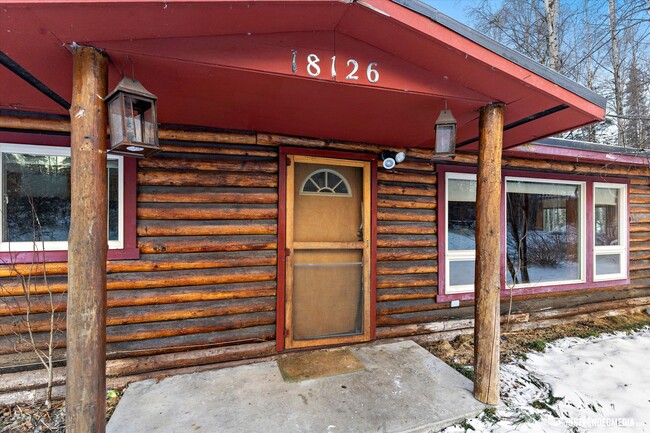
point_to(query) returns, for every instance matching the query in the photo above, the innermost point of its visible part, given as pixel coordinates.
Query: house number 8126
(314, 67)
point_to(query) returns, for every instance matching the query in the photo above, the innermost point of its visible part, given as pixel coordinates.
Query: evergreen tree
(637, 114)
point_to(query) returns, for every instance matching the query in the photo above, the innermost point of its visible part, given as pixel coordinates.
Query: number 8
(312, 67)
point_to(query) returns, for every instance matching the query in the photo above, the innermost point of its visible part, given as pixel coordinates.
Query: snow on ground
(599, 384)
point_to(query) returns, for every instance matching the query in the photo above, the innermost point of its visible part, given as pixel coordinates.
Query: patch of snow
(599, 385)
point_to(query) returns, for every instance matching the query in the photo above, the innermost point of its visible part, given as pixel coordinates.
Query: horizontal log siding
(407, 267)
(203, 290)
(206, 277)
(209, 203)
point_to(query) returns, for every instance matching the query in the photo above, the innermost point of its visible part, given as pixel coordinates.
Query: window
(35, 184)
(549, 238)
(327, 182)
(544, 232)
(610, 240)
(460, 233)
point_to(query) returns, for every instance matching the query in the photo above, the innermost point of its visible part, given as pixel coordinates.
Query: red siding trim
(589, 268)
(441, 219)
(130, 250)
(589, 223)
(538, 151)
(357, 156)
(629, 221)
(505, 293)
(282, 218)
(40, 139)
(373, 250)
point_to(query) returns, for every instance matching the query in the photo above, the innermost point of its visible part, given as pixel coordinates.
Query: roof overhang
(230, 65)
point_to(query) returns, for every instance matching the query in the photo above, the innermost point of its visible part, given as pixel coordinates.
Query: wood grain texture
(487, 281)
(87, 245)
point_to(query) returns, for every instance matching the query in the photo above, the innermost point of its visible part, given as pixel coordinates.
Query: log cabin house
(267, 222)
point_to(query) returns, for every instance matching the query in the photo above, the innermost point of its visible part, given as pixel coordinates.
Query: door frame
(284, 152)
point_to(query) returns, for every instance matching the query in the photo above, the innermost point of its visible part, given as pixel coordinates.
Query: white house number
(314, 67)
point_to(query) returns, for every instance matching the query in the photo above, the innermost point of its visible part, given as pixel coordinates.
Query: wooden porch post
(87, 246)
(488, 255)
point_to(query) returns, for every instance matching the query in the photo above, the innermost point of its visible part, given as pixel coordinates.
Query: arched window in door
(326, 182)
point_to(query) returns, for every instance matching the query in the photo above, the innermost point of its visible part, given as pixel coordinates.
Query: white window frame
(456, 255)
(622, 247)
(57, 245)
(583, 230)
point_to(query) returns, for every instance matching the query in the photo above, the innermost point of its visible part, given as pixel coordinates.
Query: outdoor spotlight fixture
(445, 134)
(391, 159)
(133, 120)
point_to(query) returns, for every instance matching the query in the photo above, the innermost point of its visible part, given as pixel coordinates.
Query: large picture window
(555, 233)
(35, 185)
(544, 232)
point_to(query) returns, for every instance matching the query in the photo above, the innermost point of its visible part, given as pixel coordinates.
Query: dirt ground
(459, 353)
(36, 418)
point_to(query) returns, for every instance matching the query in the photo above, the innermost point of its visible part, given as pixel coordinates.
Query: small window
(35, 185)
(610, 242)
(461, 232)
(326, 182)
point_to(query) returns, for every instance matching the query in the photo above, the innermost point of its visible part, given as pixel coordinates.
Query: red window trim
(282, 215)
(129, 251)
(589, 222)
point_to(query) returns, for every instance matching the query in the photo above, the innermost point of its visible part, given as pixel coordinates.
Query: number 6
(372, 73)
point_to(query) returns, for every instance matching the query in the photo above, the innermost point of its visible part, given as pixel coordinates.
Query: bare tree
(533, 27)
(25, 328)
(592, 42)
(551, 14)
(616, 71)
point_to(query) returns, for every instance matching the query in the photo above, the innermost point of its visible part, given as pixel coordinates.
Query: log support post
(87, 246)
(487, 284)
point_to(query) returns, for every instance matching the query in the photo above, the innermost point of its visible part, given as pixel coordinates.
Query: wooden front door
(328, 251)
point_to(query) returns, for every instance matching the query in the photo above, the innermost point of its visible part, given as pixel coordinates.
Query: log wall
(203, 290)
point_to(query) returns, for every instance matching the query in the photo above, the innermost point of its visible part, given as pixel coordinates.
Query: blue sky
(453, 8)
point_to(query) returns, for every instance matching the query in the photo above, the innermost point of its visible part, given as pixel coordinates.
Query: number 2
(355, 68)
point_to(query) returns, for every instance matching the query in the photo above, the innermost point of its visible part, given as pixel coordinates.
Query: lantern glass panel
(138, 121)
(115, 119)
(445, 138)
(148, 135)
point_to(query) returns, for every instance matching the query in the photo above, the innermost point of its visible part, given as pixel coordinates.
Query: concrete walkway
(403, 388)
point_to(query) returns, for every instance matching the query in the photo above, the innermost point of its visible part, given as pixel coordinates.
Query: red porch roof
(229, 64)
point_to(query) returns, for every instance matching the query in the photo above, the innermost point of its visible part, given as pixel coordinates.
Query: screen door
(328, 247)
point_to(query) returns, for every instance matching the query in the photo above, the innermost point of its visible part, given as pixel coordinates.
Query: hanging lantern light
(445, 135)
(133, 120)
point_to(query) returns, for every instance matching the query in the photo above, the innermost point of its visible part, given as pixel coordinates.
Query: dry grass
(36, 418)
(460, 351)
